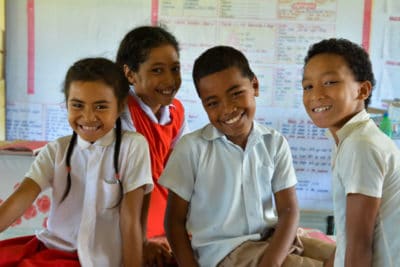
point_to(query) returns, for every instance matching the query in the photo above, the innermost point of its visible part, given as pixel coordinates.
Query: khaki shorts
(305, 252)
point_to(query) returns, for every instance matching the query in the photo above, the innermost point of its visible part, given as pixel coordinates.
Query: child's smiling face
(158, 79)
(229, 100)
(92, 109)
(331, 95)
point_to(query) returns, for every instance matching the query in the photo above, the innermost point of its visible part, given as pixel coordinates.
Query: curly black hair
(355, 56)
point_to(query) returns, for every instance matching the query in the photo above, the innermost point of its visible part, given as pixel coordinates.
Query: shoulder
(59, 145)
(177, 112)
(269, 136)
(132, 138)
(191, 139)
(177, 104)
(367, 138)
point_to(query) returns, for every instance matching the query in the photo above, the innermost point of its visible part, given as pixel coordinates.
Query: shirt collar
(164, 110)
(210, 133)
(357, 120)
(106, 140)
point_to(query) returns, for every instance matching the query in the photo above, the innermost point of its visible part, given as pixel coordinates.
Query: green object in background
(386, 125)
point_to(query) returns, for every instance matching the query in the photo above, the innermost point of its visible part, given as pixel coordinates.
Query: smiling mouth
(89, 128)
(321, 109)
(166, 92)
(234, 119)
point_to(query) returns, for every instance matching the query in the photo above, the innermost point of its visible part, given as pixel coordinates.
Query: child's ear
(365, 90)
(256, 85)
(129, 74)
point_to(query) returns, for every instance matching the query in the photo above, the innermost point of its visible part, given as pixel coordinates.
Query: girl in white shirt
(98, 178)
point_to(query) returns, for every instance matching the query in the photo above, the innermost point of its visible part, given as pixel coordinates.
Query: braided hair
(104, 70)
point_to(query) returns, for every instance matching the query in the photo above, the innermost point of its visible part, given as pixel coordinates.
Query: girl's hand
(157, 252)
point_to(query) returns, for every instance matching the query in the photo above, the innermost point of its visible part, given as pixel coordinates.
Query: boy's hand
(157, 252)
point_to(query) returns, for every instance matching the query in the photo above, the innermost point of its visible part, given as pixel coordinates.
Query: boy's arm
(16, 204)
(175, 227)
(286, 228)
(131, 231)
(361, 213)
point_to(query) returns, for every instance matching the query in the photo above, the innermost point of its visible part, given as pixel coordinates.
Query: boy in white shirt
(337, 83)
(225, 178)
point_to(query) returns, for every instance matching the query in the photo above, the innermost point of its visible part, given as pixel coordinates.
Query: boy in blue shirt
(226, 179)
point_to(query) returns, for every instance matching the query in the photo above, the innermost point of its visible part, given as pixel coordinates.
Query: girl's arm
(175, 227)
(131, 231)
(286, 228)
(361, 213)
(16, 204)
(156, 251)
(144, 214)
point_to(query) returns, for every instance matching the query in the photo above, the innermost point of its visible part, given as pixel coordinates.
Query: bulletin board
(44, 37)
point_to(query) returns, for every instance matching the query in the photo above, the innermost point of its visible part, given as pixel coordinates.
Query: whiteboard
(44, 37)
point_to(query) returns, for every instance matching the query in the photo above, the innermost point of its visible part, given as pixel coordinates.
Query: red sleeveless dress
(159, 138)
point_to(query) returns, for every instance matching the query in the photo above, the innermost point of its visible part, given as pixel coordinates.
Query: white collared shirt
(230, 190)
(86, 220)
(367, 162)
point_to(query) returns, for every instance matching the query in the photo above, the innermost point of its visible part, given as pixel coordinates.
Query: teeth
(166, 92)
(320, 109)
(89, 128)
(233, 120)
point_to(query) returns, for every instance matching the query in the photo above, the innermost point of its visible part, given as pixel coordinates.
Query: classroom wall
(44, 37)
(2, 84)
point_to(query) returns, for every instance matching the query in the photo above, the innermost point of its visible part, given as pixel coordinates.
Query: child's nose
(172, 79)
(317, 93)
(89, 115)
(228, 106)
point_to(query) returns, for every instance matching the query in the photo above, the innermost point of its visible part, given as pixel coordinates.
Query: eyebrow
(163, 63)
(96, 102)
(233, 87)
(330, 72)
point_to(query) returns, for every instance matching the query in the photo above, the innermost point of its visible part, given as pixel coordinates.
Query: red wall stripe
(154, 12)
(366, 35)
(30, 9)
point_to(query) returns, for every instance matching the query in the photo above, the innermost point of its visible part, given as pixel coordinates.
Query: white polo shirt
(230, 190)
(367, 162)
(86, 220)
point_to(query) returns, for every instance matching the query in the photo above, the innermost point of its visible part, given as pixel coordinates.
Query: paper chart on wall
(274, 35)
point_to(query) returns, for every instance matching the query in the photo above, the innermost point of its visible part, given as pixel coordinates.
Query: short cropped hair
(219, 58)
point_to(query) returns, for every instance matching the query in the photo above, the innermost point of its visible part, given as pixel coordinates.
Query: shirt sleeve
(362, 171)
(284, 173)
(138, 170)
(179, 173)
(42, 168)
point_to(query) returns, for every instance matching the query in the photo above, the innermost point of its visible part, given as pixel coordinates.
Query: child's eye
(101, 107)
(237, 93)
(211, 104)
(176, 69)
(157, 70)
(76, 105)
(328, 83)
(307, 87)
